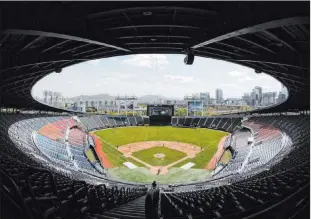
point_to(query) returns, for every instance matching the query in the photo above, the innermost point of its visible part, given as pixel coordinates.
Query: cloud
(264, 76)
(94, 62)
(236, 73)
(266, 87)
(147, 60)
(125, 76)
(240, 76)
(179, 78)
(245, 78)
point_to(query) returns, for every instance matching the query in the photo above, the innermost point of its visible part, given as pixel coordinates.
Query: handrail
(159, 205)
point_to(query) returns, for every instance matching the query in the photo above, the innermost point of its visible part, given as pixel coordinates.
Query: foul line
(111, 145)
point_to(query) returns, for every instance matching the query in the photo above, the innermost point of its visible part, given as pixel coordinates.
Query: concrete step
(127, 211)
(124, 216)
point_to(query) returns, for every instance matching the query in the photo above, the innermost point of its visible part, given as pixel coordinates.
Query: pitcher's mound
(159, 155)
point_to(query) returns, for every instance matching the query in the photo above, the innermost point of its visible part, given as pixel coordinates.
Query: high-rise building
(247, 99)
(284, 90)
(257, 96)
(282, 97)
(45, 96)
(196, 96)
(268, 98)
(53, 98)
(219, 96)
(205, 97)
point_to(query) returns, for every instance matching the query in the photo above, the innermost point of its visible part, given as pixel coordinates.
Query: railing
(159, 206)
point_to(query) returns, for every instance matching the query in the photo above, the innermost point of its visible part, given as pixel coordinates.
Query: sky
(155, 74)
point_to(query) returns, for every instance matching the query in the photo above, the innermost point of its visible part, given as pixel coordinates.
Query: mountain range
(109, 97)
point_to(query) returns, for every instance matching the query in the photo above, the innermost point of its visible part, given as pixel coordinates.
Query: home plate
(187, 166)
(129, 165)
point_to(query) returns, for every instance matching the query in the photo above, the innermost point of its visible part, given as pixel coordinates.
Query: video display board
(160, 110)
(195, 105)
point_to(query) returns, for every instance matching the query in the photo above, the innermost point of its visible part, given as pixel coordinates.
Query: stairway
(132, 210)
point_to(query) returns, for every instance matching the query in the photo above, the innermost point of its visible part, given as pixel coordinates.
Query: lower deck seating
(220, 122)
(38, 188)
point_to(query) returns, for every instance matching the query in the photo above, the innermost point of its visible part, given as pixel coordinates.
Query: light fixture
(189, 57)
(153, 39)
(58, 70)
(147, 13)
(258, 71)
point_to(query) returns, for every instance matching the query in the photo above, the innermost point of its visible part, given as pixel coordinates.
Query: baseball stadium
(66, 163)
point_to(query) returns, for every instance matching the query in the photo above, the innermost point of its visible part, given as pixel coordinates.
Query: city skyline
(155, 75)
(255, 98)
(198, 94)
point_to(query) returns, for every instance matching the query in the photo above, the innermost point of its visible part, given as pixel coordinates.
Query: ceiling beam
(255, 44)
(154, 43)
(221, 50)
(271, 35)
(101, 14)
(155, 47)
(129, 21)
(283, 73)
(37, 39)
(154, 36)
(99, 54)
(91, 50)
(236, 48)
(214, 54)
(75, 48)
(27, 74)
(268, 62)
(289, 32)
(60, 36)
(9, 85)
(255, 29)
(45, 62)
(266, 65)
(304, 30)
(153, 26)
(4, 38)
(55, 45)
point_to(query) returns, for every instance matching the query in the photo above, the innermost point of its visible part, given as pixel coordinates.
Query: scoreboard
(160, 110)
(160, 114)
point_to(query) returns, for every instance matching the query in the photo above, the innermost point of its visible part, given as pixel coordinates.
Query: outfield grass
(199, 136)
(147, 156)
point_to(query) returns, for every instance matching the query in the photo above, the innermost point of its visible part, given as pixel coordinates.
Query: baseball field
(165, 154)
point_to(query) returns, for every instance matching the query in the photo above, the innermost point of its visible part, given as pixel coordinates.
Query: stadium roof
(38, 37)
